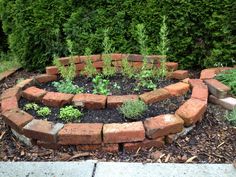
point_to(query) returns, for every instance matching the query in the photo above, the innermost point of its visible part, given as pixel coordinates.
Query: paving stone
(90, 101)
(9, 104)
(17, 119)
(42, 130)
(162, 125)
(81, 133)
(177, 89)
(200, 93)
(192, 111)
(217, 88)
(227, 103)
(180, 74)
(34, 94)
(123, 132)
(56, 99)
(116, 101)
(52, 70)
(155, 96)
(44, 78)
(11, 92)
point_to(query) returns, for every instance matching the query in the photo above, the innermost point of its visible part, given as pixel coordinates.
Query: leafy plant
(43, 111)
(108, 69)
(116, 86)
(231, 117)
(31, 106)
(89, 69)
(127, 69)
(145, 80)
(67, 86)
(133, 109)
(69, 113)
(228, 78)
(100, 85)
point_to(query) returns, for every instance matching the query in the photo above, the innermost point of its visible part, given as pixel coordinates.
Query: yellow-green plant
(127, 69)
(89, 70)
(69, 113)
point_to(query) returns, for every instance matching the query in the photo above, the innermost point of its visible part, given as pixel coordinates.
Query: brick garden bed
(152, 132)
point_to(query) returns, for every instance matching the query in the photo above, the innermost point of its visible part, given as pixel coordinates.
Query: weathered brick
(155, 96)
(43, 78)
(180, 74)
(34, 94)
(9, 104)
(125, 132)
(116, 101)
(200, 93)
(208, 73)
(64, 60)
(196, 83)
(90, 101)
(51, 70)
(227, 103)
(222, 69)
(56, 99)
(7, 73)
(163, 125)
(112, 148)
(94, 58)
(42, 130)
(16, 119)
(192, 111)
(11, 92)
(135, 58)
(217, 88)
(81, 133)
(116, 56)
(117, 63)
(25, 83)
(48, 145)
(177, 89)
(80, 66)
(98, 64)
(88, 147)
(146, 144)
(171, 66)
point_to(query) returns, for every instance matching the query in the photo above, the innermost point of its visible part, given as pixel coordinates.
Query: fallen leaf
(167, 158)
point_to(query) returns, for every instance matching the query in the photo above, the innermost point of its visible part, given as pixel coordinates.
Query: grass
(231, 117)
(7, 62)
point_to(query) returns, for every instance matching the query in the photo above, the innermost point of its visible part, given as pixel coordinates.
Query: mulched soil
(211, 141)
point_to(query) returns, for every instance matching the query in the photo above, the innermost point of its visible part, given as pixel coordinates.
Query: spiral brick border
(152, 132)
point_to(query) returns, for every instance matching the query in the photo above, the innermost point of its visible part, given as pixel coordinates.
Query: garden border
(153, 132)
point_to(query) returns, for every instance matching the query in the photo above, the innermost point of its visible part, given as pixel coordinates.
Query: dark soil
(211, 141)
(126, 85)
(113, 115)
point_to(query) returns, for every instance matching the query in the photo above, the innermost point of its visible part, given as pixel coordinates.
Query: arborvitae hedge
(201, 33)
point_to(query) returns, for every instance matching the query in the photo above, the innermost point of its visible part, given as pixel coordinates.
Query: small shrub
(145, 80)
(67, 86)
(127, 69)
(133, 109)
(31, 106)
(89, 69)
(43, 111)
(100, 85)
(69, 113)
(231, 117)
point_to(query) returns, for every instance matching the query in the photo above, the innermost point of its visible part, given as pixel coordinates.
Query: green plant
(100, 85)
(116, 86)
(108, 69)
(133, 109)
(231, 117)
(43, 111)
(89, 69)
(67, 86)
(145, 80)
(228, 78)
(69, 113)
(31, 106)
(127, 69)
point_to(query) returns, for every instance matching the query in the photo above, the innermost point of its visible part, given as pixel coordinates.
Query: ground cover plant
(231, 117)
(69, 114)
(41, 111)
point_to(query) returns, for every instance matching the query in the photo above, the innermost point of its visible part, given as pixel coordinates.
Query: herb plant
(89, 69)
(231, 117)
(67, 86)
(43, 111)
(31, 106)
(108, 69)
(133, 109)
(127, 69)
(100, 85)
(69, 113)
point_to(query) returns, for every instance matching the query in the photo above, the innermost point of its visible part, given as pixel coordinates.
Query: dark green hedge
(3, 40)
(201, 33)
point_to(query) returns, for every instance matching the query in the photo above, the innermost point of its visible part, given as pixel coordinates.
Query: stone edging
(153, 132)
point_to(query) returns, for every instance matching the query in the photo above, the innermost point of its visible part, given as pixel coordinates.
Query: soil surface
(211, 141)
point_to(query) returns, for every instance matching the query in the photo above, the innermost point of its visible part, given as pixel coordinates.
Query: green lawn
(7, 63)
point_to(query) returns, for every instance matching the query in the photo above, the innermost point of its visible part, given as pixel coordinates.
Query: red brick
(137, 64)
(155, 96)
(64, 60)
(112, 148)
(125, 132)
(171, 66)
(80, 66)
(116, 101)
(222, 69)
(51, 70)
(34, 94)
(48, 145)
(90, 101)
(135, 58)
(177, 89)
(163, 125)
(42, 130)
(170, 138)
(155, 58)
(81, 133)
(146, 144)
(56, 99)
(200, 93)
(7, 73)
(11, 92)
(98, 64)
(9, 104)
(192, 111)
(180, 74)
(17, 119)
(116, 56)
(43, 78)
(196, 83)
(25, 83)
(92, 57)
(208, 73)
(88, 147)
(217, 88)
(117, 63)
